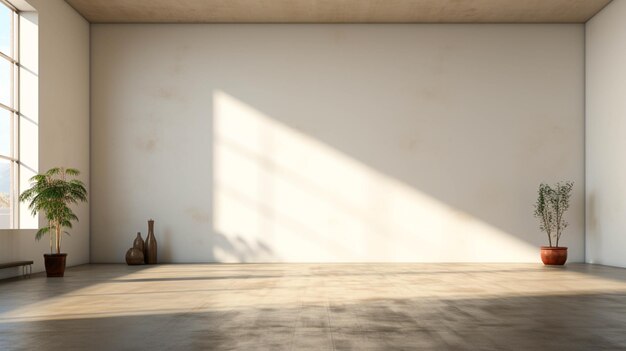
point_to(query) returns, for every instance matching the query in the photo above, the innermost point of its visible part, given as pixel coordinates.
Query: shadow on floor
(564, 322)
(20, 288)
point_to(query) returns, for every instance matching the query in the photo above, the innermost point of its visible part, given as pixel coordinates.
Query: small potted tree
(552, 202)
(52, 193)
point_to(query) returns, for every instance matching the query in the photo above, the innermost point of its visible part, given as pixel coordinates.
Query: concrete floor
(318, 307)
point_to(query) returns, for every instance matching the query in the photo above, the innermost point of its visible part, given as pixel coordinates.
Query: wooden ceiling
(338, 11)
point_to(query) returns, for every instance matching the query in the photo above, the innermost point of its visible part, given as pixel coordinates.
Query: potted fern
(552, 202)
(52, 193)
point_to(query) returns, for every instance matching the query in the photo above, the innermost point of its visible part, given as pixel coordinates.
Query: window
(9, 115)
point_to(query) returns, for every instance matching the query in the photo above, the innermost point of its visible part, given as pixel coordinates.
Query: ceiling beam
(338, 11)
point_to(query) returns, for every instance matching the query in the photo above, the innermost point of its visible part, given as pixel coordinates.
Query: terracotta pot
(553, 256)
(55, 264)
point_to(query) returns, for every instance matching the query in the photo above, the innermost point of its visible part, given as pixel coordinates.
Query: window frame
(14, 115)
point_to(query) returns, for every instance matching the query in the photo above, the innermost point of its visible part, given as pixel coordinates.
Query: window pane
(5, 132)
(6, 81)
(5, 187)
(6, 16)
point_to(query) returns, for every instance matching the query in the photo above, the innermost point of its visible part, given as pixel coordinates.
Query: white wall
(606, 135)
(61, 121)
(334, 142)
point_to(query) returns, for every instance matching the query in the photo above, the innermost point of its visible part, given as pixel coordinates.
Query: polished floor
(317, 307)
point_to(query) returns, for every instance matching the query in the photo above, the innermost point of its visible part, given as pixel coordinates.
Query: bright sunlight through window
(8, 114)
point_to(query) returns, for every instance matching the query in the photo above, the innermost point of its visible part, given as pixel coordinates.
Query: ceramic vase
(138, 243)
(150, 249)
(134, 257)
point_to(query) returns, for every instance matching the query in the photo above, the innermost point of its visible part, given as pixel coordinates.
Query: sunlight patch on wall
(290, 198)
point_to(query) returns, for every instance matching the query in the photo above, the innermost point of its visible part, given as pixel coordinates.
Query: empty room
(312, 175)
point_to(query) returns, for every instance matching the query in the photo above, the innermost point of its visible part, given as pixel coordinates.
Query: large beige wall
(58, 121)
(606, 135)
(334, 142)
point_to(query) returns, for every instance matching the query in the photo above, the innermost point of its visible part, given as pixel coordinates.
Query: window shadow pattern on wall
(282, 195)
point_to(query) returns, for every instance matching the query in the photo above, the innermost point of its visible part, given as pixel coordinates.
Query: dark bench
(22, 264)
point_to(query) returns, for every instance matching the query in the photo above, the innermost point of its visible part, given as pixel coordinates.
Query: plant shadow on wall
(234, 248)
(306, 188)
